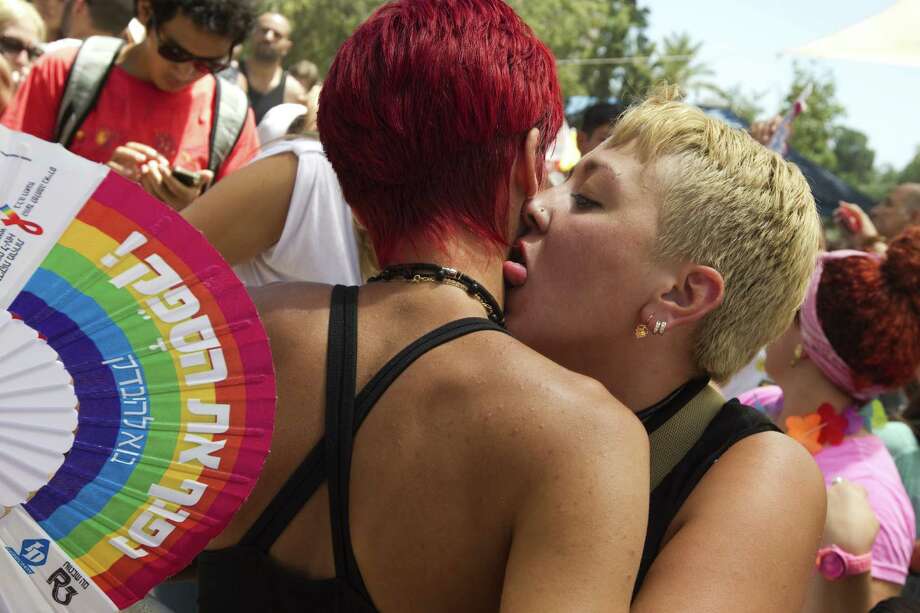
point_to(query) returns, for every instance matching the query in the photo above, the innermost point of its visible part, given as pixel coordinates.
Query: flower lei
(825, 427)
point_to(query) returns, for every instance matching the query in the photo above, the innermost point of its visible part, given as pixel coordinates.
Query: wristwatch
(834, 563)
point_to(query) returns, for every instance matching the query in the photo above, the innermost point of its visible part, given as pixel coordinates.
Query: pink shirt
(866, 461)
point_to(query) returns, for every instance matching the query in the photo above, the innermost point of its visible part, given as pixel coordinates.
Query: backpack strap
(231, 106)
(88, 74)
(671, 441)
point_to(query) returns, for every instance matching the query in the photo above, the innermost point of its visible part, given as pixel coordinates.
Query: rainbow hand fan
(136, 386)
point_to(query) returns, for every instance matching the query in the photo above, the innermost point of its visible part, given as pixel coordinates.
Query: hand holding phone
(187, 178)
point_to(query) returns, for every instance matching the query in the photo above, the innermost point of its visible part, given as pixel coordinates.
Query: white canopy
(891, 37)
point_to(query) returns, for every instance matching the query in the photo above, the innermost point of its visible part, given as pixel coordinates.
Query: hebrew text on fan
(201, 358)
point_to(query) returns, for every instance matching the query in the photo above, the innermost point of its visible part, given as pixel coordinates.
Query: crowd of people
(541, 410)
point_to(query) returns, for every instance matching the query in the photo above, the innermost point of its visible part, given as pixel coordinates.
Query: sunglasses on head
(14, 46)
(172, 52)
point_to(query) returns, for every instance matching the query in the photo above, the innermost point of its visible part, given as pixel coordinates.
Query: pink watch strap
(854, 564)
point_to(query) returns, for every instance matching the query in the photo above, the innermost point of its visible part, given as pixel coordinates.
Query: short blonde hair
(21, 11)
(729, 203)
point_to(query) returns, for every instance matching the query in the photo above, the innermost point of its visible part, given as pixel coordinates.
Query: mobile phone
(186, 177)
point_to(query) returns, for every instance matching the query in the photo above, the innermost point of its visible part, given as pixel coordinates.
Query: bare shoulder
(275, 172)
(776, 477)
(553, 410)
(281, 304)
(575, 472)
(779, 463)
(293, 90)
(294, 314)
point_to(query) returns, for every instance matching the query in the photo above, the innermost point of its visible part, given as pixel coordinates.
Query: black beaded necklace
(432, 273)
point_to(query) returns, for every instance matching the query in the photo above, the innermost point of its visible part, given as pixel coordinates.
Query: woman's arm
(851, 525)
(244, 214)
(746, 538)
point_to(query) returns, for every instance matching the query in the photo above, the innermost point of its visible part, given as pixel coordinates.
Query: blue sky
(744, 41)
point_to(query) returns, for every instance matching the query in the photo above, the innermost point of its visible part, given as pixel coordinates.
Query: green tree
(568, 28)
(815, 129)
(880, 181)
(855, 159)
(319, 27)
(596, 34)
(601, 44)
(911, 172)
(678, 64)
(744, 105)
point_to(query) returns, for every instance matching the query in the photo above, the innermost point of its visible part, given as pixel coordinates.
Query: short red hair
(424, 111)
(870, 312)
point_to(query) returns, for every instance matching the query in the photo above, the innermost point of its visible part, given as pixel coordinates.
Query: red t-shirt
(177, 124)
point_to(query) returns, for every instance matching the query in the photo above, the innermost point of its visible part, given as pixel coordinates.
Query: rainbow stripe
(113, 346)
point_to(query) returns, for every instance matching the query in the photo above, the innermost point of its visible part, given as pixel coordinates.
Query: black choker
(432, 273)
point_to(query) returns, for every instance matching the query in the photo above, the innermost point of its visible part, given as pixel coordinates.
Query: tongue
(515, 274)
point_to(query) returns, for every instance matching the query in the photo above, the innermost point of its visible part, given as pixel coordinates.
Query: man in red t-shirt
(156, 107)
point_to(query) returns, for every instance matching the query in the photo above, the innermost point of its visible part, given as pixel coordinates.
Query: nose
(538, 213)
(21, 59)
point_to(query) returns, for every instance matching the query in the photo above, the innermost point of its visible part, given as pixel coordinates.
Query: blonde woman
(22, 31)
(675, 250)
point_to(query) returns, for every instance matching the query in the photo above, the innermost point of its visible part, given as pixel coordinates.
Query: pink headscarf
(814, 340)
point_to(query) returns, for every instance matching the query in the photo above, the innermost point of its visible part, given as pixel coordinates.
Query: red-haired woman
(857, 335)
(485, 477)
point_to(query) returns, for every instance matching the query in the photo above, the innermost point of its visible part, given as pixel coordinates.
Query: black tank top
(245, 577)
(261, 103)
(731, 424)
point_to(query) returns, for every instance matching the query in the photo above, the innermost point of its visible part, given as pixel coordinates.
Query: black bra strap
(341, 371)
(311, 473)
(375, 388)
(288, 502)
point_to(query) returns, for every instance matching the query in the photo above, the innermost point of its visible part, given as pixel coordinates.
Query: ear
(526, 171)
(144, 11)
(581, 139)
(286, 47)
(697, 291)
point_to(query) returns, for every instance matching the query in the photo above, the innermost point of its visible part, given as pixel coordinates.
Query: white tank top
(318, 241)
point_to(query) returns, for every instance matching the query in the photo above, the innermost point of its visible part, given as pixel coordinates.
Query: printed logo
(11, 218)
(62, 591)
(32, 553)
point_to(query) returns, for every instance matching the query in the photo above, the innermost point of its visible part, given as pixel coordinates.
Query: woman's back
(475, 434)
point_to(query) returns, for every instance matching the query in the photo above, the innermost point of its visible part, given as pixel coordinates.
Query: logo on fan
(32, 553)
(61, 591)
(12, 218)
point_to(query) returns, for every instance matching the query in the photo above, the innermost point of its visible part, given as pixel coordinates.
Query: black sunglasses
(14, 46)
(172, 52)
